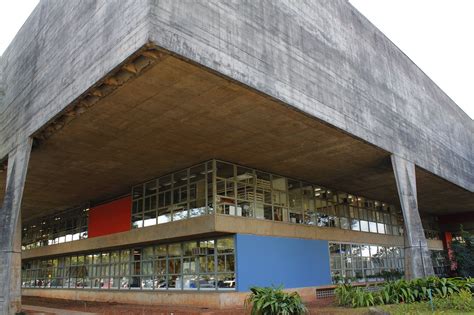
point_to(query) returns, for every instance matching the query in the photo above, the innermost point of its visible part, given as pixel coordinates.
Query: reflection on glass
(365, 263)
(192, 265)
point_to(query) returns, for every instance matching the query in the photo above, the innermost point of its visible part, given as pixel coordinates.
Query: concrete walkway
(33, 309)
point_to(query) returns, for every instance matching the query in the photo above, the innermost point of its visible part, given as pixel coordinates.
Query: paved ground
(36, 306)
(60, 307)
(33, 309)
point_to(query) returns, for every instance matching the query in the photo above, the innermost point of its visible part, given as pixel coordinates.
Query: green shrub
(347, 295)
(344, 293)
(273, 301)
(463, 251)
(461, 301)
(362, 298)
(443, 290)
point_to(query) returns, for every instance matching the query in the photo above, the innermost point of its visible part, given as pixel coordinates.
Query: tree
(463, 250)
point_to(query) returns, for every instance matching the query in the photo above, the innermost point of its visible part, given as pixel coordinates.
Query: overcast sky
(438, 35)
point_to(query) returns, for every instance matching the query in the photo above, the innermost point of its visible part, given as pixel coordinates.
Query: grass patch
(419, 308)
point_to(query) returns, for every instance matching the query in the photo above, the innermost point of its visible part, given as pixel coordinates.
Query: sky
(438, 35)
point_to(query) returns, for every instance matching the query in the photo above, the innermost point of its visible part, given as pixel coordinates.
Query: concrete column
(417, 256)
(10, 225)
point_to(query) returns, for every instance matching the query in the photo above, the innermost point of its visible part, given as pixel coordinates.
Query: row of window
(177, 196)
(365, 263)
(236, 190)
(66, 226)
(193, 265)
(230, 189)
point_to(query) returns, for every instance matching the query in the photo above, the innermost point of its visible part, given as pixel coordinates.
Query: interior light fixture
(190, 177)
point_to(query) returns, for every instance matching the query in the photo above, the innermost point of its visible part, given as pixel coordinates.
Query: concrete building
(183, 151)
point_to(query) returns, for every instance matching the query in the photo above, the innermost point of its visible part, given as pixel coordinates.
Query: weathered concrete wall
(418, 262)
(220, 300)
(61, 51)
(2, 87)
(10, 229)
(324, 58)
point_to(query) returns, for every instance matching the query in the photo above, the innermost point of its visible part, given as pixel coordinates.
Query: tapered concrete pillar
(10, 225)
(417, 256)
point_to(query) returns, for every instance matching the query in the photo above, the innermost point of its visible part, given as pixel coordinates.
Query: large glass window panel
(355, 224)
(164, 215)
(244, 208)
(372, 227)
(151, 188)
(381, 228)
(226, 281)
(149, 218)
(150, 203)
(180, 178)
(137, 192)
(345, 224)
(137, 221)
(165, 183)
(197, 205)
(245, 175)
(180, 211)
(309, 210)
(225, 170)
(246, 191)
(225, 245)
(295, 198)
(197, 173)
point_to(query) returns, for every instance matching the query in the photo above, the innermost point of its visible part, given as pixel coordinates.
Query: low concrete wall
(219, 300)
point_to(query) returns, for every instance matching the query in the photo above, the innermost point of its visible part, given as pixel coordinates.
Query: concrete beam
(417, 256)
(10, 237)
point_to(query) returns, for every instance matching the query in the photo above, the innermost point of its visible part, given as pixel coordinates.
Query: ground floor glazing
(207, 264)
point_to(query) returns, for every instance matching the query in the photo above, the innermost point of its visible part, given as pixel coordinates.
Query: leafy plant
(461, 301)
(443, 290)
(362, 298)
(463, 251)
(273, 301)
(347, 295)
(344, 293)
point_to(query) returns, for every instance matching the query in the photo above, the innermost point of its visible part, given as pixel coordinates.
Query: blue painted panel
(291, 262)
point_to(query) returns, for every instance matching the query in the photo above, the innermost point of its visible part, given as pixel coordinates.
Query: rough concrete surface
(10, 236)
(321, 58)
(326, 59)
(418, 262)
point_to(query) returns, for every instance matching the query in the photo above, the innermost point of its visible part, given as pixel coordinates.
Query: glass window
(193, 265)
(364, 263)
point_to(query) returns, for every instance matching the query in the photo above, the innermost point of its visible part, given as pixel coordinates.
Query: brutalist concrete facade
(320, 58)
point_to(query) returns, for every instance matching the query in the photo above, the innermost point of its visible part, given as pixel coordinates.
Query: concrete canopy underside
(177, 114)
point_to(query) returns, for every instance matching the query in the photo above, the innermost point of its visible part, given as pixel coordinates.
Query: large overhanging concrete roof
(177, 114)
(335, 98)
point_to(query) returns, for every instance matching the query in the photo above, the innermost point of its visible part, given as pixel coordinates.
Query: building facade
(183, 152)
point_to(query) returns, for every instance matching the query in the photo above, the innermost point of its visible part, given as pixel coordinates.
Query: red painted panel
(447, 240)
(111, 217)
